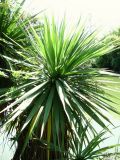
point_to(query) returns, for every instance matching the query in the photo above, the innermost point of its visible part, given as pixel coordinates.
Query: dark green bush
(111, 61)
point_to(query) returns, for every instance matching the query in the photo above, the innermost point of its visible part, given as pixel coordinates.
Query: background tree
(111, 61)
(12, 34)
(12, 39)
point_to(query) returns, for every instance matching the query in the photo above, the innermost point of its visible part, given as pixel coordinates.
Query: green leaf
(26, 95)
(48, 107)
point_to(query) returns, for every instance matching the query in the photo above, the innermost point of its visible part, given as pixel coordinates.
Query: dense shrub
(112, 60)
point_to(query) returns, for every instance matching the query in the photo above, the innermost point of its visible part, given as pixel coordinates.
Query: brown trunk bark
(34, 151)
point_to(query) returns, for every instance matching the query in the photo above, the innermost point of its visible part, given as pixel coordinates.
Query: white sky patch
(102, 14)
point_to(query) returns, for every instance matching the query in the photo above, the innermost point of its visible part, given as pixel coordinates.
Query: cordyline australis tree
(87, 148)
(60, 90)
(12, 21)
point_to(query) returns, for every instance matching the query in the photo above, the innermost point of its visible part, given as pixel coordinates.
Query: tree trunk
(32, 152)
(35, 149)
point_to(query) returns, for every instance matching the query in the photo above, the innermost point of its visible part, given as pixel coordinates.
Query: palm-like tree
(60, 89)
(12, 35)
(89, 147)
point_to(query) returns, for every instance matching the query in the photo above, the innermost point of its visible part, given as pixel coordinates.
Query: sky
(101, 14)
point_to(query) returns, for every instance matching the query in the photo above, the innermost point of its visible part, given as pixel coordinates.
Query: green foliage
(3, 74)
(89, 147)
(11, 23)
(61, 89)
(112, 60)
(12, 35)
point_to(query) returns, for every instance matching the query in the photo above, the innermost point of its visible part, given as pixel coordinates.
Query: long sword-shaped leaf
(32, 91)
(47, 109)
